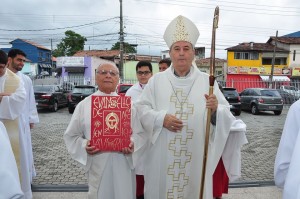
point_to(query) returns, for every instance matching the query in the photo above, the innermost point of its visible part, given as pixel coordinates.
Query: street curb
(84, 188)
(251, 184)
(59, 188)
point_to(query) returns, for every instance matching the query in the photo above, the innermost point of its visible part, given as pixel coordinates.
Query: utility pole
(121, 41)
(273, 62)
(51, 55)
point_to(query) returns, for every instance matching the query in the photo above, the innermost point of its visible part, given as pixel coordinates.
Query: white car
(292, 90)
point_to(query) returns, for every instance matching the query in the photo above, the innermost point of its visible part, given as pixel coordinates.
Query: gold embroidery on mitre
(181, 33)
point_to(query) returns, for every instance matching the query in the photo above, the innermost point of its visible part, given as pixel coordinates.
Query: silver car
(261, 99)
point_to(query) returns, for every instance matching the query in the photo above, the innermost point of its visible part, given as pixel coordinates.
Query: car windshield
(43, 88)
(271, 93)
(230, 92)
(83, 90)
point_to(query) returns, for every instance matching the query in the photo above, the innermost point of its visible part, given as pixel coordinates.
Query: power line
(68, 27)
(197, 4)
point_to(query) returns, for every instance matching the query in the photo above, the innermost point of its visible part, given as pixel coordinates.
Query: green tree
(69, 45)
(126, 46)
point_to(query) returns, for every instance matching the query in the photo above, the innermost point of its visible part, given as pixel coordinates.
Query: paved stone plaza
(55, 167)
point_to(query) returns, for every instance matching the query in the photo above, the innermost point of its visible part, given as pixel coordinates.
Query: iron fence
(289, 90)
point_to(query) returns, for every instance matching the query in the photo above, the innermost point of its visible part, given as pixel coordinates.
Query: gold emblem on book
(112, 121)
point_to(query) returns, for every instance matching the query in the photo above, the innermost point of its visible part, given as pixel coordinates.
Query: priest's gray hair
(107, 62)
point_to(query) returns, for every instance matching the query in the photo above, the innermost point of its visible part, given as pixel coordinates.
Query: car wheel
(55, 107)
(237, 113)
(254, 109)
(277, 112)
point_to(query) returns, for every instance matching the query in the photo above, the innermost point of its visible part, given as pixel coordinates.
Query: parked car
(232, 96)
(261, 99)
(122, 88)
(292, 90)
(49, 96)
(286, 97)
(78, 94)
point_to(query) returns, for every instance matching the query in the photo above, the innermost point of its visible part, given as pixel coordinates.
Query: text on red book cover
(110, 124)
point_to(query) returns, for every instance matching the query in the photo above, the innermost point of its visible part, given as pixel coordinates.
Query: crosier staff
(211, 87)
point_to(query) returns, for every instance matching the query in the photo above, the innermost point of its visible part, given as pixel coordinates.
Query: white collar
(142, 85)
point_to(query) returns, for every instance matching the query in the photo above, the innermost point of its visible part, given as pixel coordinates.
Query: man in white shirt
(12, 100)
(29, 117)
(143, 73)
(110, 174)
(173, 111)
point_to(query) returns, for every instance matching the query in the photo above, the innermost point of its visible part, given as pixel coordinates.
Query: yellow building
(253, 61)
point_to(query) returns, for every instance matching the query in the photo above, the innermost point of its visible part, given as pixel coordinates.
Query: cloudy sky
(43, 21)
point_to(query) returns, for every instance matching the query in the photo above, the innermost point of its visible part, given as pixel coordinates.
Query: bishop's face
(182, 55)
(107, 78)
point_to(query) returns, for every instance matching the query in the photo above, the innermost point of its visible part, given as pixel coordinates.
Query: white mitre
(181, 29)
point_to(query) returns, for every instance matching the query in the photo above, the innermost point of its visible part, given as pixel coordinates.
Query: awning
(75, 69)
(275, 78)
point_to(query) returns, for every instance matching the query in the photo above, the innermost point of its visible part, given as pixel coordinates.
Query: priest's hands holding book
(172, 123)
(129, 149)
(92, 150)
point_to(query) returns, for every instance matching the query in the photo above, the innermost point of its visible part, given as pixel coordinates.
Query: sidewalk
(270, 192)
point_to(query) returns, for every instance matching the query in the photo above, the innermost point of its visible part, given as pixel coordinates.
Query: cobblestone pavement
(55, 167)
(263, 134)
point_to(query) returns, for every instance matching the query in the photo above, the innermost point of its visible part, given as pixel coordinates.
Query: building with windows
(39, 55)
(291, 43)
(81, 68)
(220, 67)
(253, 62)
(78, 70)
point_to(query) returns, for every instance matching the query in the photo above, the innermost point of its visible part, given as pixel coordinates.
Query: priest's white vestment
(9, 177)
(29, 115)
(135, 92)
(110, 174)
(173, 162)
(287, 162)
(11, 108)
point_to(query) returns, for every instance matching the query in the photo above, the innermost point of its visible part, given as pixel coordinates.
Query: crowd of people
(164, 158)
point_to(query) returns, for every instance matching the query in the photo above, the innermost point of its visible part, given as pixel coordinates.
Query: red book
(111, 122)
